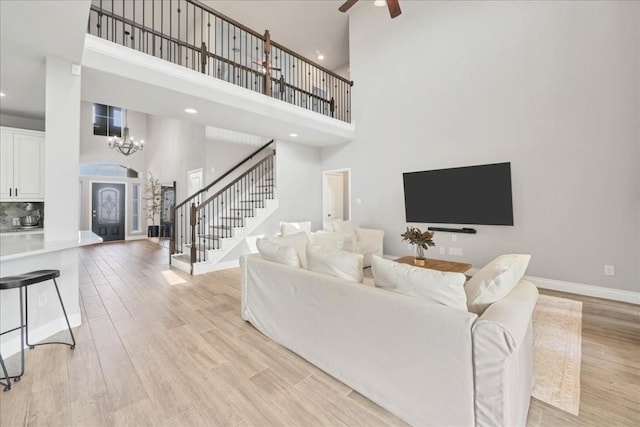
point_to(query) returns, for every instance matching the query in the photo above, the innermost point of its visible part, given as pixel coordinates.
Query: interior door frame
(127, 207)
(347, 207)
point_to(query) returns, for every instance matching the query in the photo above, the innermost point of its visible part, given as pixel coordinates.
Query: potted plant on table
(421, 241)
(152, 190)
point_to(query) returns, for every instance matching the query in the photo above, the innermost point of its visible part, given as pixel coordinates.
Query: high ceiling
(32, 29)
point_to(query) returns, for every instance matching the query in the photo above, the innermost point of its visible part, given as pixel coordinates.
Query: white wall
(178, 147)
(552, 87)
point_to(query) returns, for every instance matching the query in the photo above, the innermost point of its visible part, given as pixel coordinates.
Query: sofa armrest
(370, 235)
(503, 358)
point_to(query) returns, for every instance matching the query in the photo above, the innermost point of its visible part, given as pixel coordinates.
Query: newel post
(267, 63)
(193, 232)
(203, 58)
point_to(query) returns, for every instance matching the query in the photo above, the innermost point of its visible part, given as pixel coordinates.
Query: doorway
(336, 196)
(107, 210)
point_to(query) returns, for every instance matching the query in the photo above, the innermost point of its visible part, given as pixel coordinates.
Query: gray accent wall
(552, 87)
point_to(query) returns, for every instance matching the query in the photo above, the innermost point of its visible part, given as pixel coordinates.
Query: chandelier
(126, 144)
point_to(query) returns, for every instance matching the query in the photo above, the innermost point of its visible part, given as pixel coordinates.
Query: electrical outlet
(609, 270)
(454, 238)
(358, 201)
(455, 251)
(442, 251)
(42, 300)
(16, 221)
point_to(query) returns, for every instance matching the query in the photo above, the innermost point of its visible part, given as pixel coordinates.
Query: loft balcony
(192, 35)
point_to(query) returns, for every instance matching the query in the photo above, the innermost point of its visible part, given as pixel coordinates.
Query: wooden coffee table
(437, 264)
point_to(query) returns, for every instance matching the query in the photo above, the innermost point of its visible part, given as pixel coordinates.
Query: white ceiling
(30, 30)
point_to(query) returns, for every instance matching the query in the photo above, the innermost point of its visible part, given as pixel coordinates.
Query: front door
(108, 210)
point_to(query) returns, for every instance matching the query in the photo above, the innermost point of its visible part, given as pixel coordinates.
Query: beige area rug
(557, 351)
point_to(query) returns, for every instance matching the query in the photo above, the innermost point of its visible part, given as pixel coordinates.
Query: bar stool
(22, 281)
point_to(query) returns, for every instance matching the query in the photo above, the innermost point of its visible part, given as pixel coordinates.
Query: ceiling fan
(393, 5)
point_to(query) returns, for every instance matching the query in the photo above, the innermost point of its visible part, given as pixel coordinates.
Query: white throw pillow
(282, 254)
(288, 228)
(345, 265)
(495, 280)
(299, 241)
(436, 286)
(327, 240)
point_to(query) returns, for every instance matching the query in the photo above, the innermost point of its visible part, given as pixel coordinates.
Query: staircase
(213, 221)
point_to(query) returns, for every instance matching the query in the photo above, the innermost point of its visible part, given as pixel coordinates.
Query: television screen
(467, 195)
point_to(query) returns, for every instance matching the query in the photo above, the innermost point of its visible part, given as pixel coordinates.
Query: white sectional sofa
(430, 364)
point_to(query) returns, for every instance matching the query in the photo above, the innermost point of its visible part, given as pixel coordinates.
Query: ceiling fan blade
(347, 5)
(394, 8)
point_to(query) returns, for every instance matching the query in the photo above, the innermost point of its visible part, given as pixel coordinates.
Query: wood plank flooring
(159, 347)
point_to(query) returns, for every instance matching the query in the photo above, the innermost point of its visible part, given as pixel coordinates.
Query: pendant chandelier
(126, 144)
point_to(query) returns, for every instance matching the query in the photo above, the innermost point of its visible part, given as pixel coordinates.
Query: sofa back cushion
(327, 240)
(283, 254)
(495, 280)
(335, 262)
(299, 242)
(342, 226)
(288, 228)
(436, 286)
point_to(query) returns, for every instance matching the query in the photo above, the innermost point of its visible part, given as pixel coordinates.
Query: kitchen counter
(20, 245)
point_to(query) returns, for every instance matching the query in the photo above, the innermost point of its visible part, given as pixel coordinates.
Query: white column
(62, 151)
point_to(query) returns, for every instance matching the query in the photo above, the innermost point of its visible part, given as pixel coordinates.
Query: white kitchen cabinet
(21, 165)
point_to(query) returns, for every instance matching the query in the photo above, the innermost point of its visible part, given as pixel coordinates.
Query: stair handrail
(224, 175)
(229, 185)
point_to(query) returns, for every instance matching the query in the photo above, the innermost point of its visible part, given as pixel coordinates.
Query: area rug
(557, 351)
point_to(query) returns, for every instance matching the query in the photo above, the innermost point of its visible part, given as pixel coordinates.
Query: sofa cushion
(288, 228)
(341, 226)
(335, 262)
(327, 240)
(283, 254)
(436, 286)
(495, 280)
(299, 241)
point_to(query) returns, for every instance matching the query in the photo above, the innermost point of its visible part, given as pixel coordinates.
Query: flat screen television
(466, 195)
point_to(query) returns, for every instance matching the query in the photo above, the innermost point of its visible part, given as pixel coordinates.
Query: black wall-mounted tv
(467, 195)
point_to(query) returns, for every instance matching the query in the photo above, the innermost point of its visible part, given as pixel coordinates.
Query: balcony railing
(193, 35)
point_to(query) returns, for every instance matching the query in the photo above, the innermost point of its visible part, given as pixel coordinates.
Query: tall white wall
(552, 87)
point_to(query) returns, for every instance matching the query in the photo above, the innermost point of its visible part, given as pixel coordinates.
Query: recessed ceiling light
(191, 110)
(293, 135)
(380, 3)
(319, 55)
(2, 95)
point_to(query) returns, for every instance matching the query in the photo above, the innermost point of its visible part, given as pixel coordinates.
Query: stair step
(261, 193)
(232, 218)
(242, 209)
(182, 257)
(264, 186)
(251, 201)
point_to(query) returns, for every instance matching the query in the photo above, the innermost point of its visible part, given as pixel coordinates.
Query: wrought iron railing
(189, 33)
(202, 220)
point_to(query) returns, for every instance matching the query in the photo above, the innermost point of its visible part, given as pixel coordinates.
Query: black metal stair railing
(189, 33)
(202, 220)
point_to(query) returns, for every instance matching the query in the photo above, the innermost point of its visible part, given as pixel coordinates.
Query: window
(113, 170)
(135, 208)
(107, 120)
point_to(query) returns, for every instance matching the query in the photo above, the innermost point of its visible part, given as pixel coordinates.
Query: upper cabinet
(21, 165)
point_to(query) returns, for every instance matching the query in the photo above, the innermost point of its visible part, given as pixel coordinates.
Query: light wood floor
(159, 347)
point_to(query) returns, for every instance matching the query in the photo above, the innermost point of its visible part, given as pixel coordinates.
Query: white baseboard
(11, 345)
(587, 290)
(225, 265)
